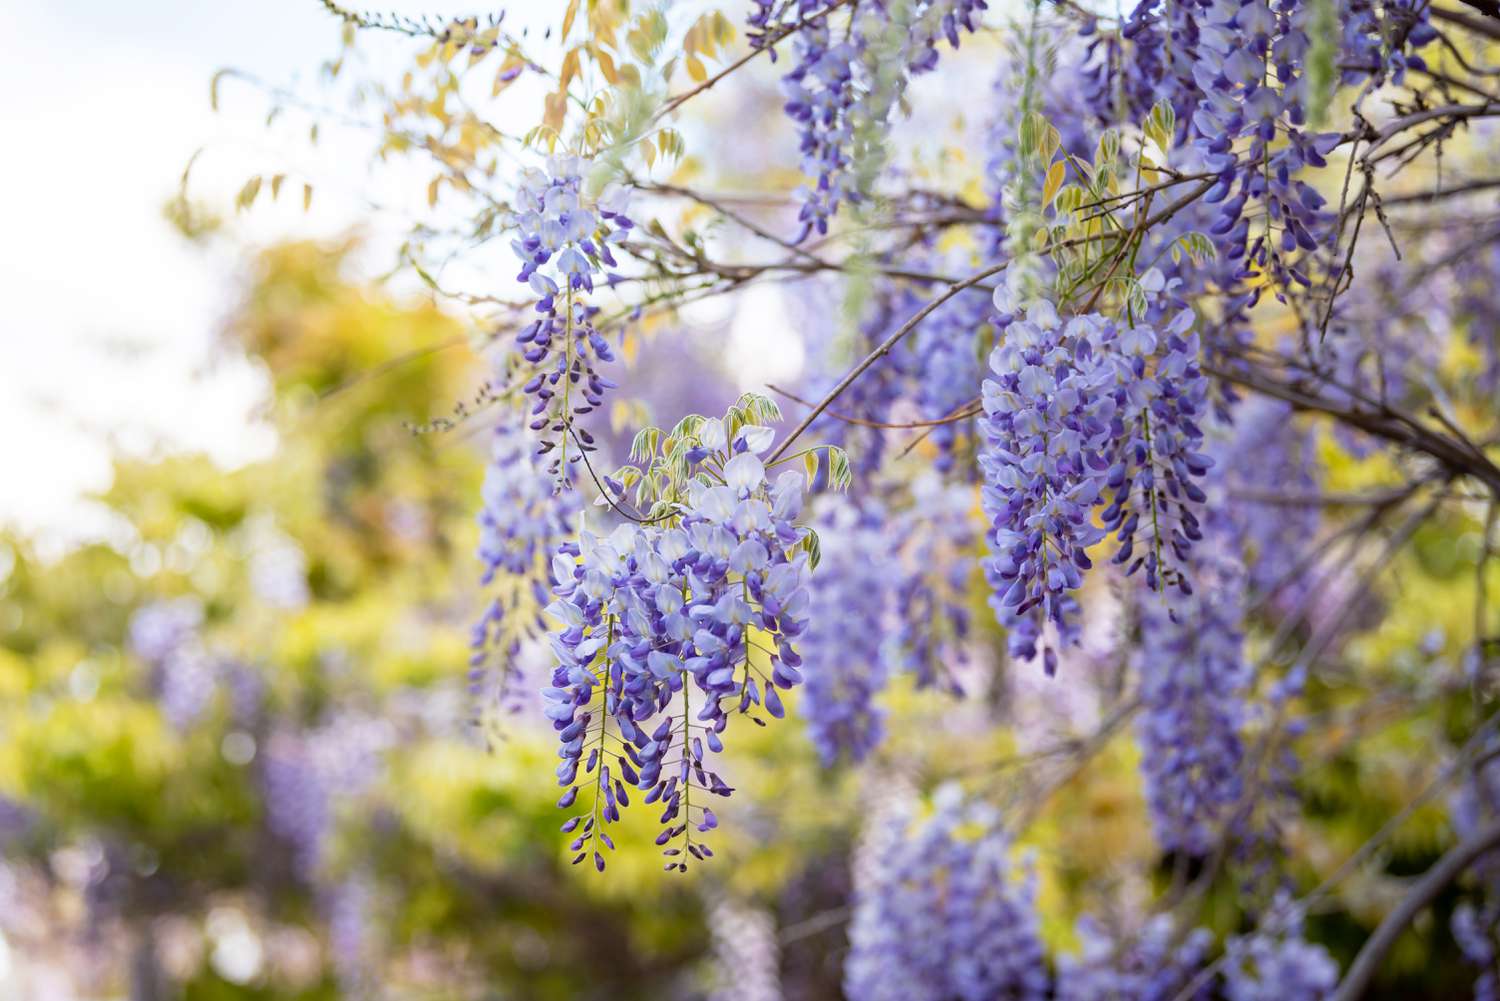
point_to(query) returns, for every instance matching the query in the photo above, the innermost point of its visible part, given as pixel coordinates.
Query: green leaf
(1053, 182)
(643, 445)
(810, 544)
(839, 474)
(247, 194)
(213, 88)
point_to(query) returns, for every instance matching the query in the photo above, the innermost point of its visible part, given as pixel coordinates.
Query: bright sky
(107, 316)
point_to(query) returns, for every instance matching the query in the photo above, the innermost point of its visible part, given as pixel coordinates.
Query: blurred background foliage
(335, 587)
(155, 818)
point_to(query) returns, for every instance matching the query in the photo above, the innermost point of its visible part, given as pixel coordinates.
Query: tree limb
(1422, 893)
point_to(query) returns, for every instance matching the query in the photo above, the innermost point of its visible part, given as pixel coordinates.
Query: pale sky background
(108, 317)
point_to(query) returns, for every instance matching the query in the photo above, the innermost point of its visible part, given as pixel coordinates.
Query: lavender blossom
(165, 635)
(650, 607)
(945, 913)
(932, 582)
(1193, 678)
(851, 603)
(1147, 967)
(1279, 967)
(563, 243)
(842, 93)
(1081, 412)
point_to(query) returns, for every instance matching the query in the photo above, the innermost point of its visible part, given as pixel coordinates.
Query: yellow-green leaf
(1053, 182)
(247, 194)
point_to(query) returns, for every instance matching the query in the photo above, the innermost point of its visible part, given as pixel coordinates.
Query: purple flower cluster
(1160, 394)
(1233, 71)
(932, 582)
(1248, 68)
(524, 515)
(298, 809)
(524, 519)
(877, 394)
(1267, 454)
(306, 775)
(1193, 678)
(947, 370)
(766, 21)
(1476, 274)
(843, 92)
(706, 597)
(945, 913)
(350, 908)
(1149, 968)
(1476, 929)
(1047, 421)
(1279, 967)
(1080, 412)
(1154, 53)
(1381, 45)
(563, 241)
(848, 618)
(165, 636)
(820, 96)
(932, 375)
(1149, 59)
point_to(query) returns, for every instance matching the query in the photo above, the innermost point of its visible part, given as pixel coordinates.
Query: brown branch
(963, 413)
(676, 102)
(1379, 421)
(1466, 20)
(890, 342)
(880, 351)
(1448, 868)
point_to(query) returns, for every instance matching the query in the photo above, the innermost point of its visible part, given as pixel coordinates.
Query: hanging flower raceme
(820, 96)
(842, 92)
(1193, 678)
(523, 520)
(1248, 68)
(945, 913)
(1150, 58)
(1266, 457)
(1382, 45)
(1279, 966)
(1160, 395)
(932, 582)
(877, 394)
(563, 241)
(305, 776)
(166, 635)
(1151, 965)
(1078, 415)
(947, 369)
(1047, 422)
(1476, 275)
(849, 616)
(668, 628)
